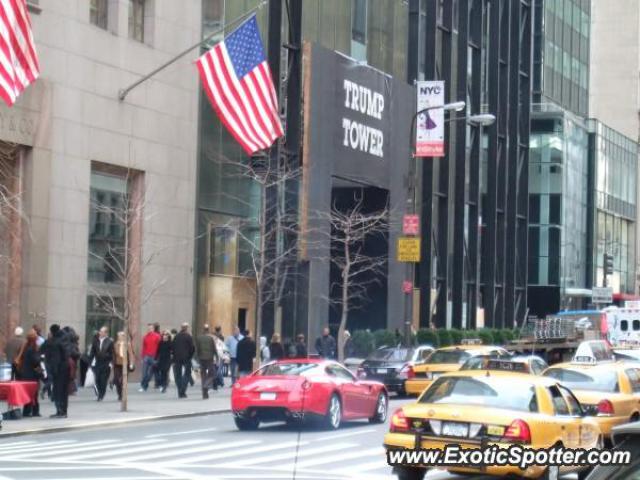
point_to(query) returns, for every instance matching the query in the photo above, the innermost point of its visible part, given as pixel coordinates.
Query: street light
(482, 119)
(455, 106)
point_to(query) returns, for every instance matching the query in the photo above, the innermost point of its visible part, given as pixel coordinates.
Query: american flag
(239, 85)
(19, 65)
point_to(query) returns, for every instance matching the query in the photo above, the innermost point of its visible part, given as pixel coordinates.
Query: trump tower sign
(356, 128)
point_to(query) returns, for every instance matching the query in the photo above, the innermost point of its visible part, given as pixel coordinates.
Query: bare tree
(265, 238)
(351, 229)
(122, 293)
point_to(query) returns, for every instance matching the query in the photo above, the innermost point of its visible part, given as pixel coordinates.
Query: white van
(623, 325)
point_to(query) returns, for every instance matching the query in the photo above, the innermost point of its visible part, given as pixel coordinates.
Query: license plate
(382, 371)
(495, 430)
(455, 429)
(267, 396)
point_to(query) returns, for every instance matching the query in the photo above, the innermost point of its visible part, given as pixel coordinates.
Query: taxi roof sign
(471, 341)
(593, 351)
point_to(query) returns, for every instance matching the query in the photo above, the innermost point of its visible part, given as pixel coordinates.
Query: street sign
(409, 249)
(410, 225)
(407, 287)
(430, 123)
(602, 295)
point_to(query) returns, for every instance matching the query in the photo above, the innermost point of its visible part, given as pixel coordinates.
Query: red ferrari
(300, 389)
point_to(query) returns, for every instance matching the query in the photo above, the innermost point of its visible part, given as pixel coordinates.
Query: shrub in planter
(486, 336)
(498, 337)
(426, 336)
(444, 338)
(384, 338)
(508, 334)
(456, 336)
(363, 343)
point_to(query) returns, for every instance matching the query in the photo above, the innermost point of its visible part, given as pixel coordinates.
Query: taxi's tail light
(518, 431)
(399, 422)
(407, 372)
(605, 407)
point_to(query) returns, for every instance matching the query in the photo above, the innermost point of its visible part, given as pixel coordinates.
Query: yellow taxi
(483, 409)
(445, 360)
(612, 387)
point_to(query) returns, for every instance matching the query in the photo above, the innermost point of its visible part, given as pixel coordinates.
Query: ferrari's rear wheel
(334, 413)
(382, 406)
(410, 473)
(245, 424)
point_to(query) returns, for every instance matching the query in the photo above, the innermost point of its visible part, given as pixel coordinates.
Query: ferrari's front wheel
(382, 407)
(410, 473)
(334, 413)
(245, 424)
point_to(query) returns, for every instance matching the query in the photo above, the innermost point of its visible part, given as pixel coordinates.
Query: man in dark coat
(245, 354)
(208, 359)
(57, 360)
(100, 359)
(326, 345)
(183, 350)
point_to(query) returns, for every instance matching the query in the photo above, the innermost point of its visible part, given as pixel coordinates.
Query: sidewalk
(84, 411)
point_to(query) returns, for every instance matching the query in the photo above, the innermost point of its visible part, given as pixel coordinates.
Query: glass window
(624, 325)
(359, 29)
(136, 19)
(574, 406)
(498, 392)
(212, 17)
(634, 378)
(98, 13)
(559, 403)
(449, 356)
(600, 380)
(222, 242)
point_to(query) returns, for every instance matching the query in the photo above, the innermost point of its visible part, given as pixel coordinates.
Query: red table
(18, 394)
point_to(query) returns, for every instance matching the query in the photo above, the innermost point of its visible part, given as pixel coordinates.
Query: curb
(111, 423)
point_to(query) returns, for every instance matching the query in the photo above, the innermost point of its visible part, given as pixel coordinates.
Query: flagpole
(122, 94)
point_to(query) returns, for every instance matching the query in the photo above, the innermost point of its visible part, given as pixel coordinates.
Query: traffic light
(608, 264)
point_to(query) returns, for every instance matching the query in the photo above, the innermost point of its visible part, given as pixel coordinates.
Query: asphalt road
(198, 448)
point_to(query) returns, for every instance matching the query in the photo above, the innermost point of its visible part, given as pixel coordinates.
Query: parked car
(311, 388)
(391, 365)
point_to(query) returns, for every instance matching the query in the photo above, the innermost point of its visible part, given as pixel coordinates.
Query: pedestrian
(276, 351)
(149, 353)
(101, 359)
(156, 370)
(72, 346)
(232, 346)
(39, 338)
(57, 359)
(218, 332)
(300, 347)
(85, 360)
(28, 364)
(348, 345)
(208, 359)
(120, 361)
(12, 348)
(246, 352)
(326, 345)
(223, 356)
(183, 350)
(265, 353)
(163, 359)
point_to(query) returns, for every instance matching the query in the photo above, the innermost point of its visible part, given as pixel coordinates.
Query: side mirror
(590, 411)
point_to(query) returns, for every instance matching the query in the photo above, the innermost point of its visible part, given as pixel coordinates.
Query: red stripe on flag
(216, 106)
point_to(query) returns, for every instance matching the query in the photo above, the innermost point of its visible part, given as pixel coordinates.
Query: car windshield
(490, 392)
(293, 369)
(392, 354)
(599, 380)
(449, 356)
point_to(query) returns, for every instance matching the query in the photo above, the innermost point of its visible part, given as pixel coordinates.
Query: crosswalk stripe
(345, 434)
(13, 447)
(56, 449)
(238, 453)
(124, 452)
(162, 435)
(211, 448)
(16, 444)
(363, 467)
(307, 452)
(78, 451)
(336, 458)
(182, 452)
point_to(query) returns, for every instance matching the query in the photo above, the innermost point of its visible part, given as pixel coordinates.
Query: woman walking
(163, 359)
(120, 362)
(276, 349)
(28, 363)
